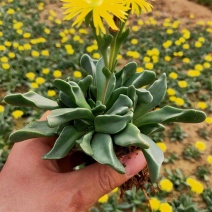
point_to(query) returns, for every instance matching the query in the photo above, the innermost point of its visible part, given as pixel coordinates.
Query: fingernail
(134, 163)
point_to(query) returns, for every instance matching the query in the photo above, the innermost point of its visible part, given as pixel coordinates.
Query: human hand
(29, 183)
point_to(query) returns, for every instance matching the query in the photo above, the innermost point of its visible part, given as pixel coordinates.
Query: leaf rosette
(103, 110)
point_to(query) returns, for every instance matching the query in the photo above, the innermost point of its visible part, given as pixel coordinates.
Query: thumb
(96, 180)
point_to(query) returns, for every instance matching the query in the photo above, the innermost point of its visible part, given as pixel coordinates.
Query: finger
(96, 180)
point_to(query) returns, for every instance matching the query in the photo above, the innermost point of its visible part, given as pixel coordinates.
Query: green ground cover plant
(35, 51)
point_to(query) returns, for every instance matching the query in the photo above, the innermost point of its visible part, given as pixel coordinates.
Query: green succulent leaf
(110, 88)
(144, 96)
(130, 136)
(151, 128)
(111, 124)
(85, 143)
(99, 108)
(73, 91)
(123, 75)
(85, 83)
(64, 143)
(141, 79)
(170, 114)
(121, 105)
(154, 157)
(82, 124)
(103, 152)
(31, 99)
(158, 91)
(104, 42)
(131, 93)
(61, 116)
(88, 65)
(33, 130)
(66, 100)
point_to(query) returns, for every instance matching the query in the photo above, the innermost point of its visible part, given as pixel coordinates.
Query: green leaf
(33, 130)
(104, 42)
(99, 108)
(103, 152)
(100, 79)
(144, 96)
(131, 93)
(31, 99)
(82, 125)
(130, 136)
(61, 116)
(64, 143)
(85, 143)
(73, 91)
(154, 157)
(141, 79)
(88, 65)
(123, 75)
(151, 128)
(121, 105)
(111, 124)
(158, 91)
(85, 83)
(110, 88)
(170, 114)
(66, 100)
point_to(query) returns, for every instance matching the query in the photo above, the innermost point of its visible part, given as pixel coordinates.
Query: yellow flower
(149, 66)
(198, 44)
(154, 203)
(34, 85)
(198, 67)
(103, 199)
(202, 105)
(51, 93)
(208, 120)
(57, 73)
(100, 9)
(138, 6)
(171, 91)
(195, 185)
(182, 84)
(10, 11)
(39, 80)
(5, 66)
(1, 34)
(139, 69)
(193, 73)
(179, 101)
(35, 53)
(166, 185)
(77, 74)
(1, 108)
(96, 56)
(186, 60)
(186, 46)
(167, 58)
(177, 43)
(27, 46)
(167, 44)
(162, 146)
(155, 52)
(134, 41)
(115, 190)
(26, 35)
(4, 59)
(206, 65)
(172, 98)
(201, 39)
(173, 75)
(146, 59)
(45, 70)
(169, 31)
(11, 55)
(7, 43)
(45, 53)
(200, 145)
(17, 114)
(30, 76)
(47, 31)
(208, 58)
(209, 159)
(165, 207)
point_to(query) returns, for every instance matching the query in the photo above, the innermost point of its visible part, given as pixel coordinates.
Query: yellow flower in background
(208, 58)
(166, 185)
(10, 11)
(17, 114)
(173, 75)
(138, 6)
(167, 44)
(172, 98)
(100, 9)
(146, 59)
(45, 53)
(165, 207)
(115, 190)
(154, 203)
(27, 46)
(193, 73)
(103, 199)
(186, 60)
(26, 35)
(198, 44)
(4, 59)
(177, 43)
(198, 67)
(34, 85)
(201, 39)
(7, 43)
(200, 145)
(186, 46)
(167, 58)
(208, 120)
(195, 185)
(206, 65)
(30, 76)
(169, 31)
(39, 80)
(171, 91)
(202, 105)
(57, 73)
(1, 108)
(51, 93)
(47, 31)
(77, 74)
(35, 53)
(5, 66)
(182, 84)
(209, 159)
(96, 55)
(45, 70)
(139, 69)
(162, 146)
(179, 101)
(149, 66)
(2, 48)
(11, 55)
(134, 41)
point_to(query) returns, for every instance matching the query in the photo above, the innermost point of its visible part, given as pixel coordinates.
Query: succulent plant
(103, 110)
